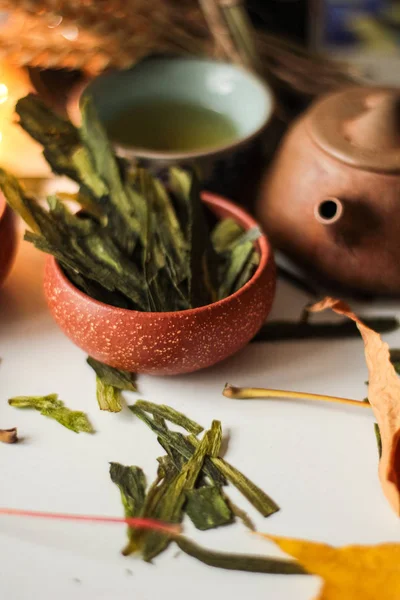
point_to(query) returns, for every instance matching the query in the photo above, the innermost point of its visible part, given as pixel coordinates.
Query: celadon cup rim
(131, 152)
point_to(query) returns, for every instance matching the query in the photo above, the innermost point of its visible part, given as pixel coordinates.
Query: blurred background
(50, 46)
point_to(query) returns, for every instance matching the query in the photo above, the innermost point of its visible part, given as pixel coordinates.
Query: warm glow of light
(54, 21)
(3, 93)
(18, 152)
(70, 33)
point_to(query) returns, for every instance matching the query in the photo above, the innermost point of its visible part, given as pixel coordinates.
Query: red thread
(138, 522)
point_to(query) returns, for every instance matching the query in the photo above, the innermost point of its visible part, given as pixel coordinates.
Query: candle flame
(3, 93)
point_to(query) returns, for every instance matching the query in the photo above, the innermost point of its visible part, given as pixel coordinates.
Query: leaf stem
(231, 391)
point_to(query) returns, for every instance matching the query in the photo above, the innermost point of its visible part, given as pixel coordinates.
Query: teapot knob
(378, 127)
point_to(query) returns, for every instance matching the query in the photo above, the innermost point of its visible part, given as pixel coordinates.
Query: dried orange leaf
(350, 572)
(384, 397)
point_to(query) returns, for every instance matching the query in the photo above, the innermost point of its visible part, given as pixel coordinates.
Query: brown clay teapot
(331, 199)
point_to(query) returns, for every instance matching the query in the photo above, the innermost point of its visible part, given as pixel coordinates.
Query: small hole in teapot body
(328, 211)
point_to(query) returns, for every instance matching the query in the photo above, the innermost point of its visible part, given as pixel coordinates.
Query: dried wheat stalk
(117, 33)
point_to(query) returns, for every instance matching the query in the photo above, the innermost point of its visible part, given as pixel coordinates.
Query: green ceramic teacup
(234, 100)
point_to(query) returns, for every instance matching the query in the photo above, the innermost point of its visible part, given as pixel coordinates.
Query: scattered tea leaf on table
(131, 482)
(207, 508)
(255, 495)
(170, 507)
(238, 562)
(171, 415)
(189, 481)
(384, 397)
(179, 442)
(123, 380)
(36, 402)
(350, 572)
(214, 467)
(108, 396)
(51, 406)
(9, 436)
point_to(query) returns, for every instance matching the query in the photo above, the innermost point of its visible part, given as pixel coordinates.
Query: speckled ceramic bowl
(8, 238)
(166, 343)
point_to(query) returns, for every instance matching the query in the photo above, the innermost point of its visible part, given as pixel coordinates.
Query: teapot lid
(359, 126)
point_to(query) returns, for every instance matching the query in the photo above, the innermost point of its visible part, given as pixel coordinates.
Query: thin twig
(259, 393)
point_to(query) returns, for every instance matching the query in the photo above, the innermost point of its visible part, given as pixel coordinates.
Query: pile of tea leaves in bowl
(136, 241)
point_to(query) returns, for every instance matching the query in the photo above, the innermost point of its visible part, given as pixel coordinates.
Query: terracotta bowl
(8, 238)
(166, 343)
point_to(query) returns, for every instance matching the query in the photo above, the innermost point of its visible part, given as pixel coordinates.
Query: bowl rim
(127, 151)
(211, 199)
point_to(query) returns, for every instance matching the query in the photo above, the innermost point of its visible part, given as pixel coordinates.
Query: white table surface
(319, 462)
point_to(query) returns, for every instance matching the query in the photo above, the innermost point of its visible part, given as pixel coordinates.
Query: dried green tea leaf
(9, 436)
(51, 406)
(108, 396)
(96, 291)
(74, 420)
(122, 212)
(170, 233)
(238, 562)
(220, 468)
(241, 260)
(58, 136)
(256, 496)
(81, 245)
(216, 433)
(62, 145)
(174, 458)
(143, 248)
(224, 234)
(170, 414)
(247, 271)
(180, 443)
(131, 482)
(278, 331)
(36, 402)
(86, 175)
(207, 508)
(203, 278)
(123, 380)
(17, 199)
(170, 507)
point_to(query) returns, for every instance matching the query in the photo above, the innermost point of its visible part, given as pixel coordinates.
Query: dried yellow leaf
(350, 572)
(384, 397)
